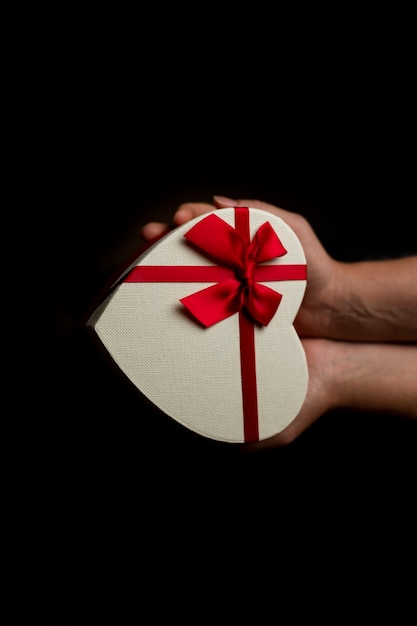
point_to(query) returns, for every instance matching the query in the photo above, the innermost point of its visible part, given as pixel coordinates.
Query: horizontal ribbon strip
(210, 273)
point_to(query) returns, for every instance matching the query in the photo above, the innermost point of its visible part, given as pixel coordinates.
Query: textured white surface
(192, 373)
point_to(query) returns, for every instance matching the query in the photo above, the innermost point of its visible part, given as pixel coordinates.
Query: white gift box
(202, 324)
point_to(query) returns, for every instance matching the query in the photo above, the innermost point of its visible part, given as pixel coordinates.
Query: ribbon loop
(219, 241)
(247, 274)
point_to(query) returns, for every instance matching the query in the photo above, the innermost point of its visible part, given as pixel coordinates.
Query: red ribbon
(232, 248)
(236, 288)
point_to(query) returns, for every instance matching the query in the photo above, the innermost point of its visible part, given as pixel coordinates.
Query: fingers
(294, 220)
(189, 210)
(222, 202)
(184, 213)
(151, 230)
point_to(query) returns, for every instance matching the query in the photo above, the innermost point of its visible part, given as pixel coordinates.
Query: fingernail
(223, 201)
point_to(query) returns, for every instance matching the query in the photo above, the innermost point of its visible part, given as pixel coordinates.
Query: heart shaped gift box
(202, 324)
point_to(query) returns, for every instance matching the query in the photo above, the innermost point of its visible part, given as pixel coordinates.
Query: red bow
(225, 245)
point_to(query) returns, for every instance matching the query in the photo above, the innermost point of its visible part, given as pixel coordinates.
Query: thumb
(221, 202)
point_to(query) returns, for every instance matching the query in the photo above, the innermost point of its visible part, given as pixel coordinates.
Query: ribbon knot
(246, 275)
(228, 247)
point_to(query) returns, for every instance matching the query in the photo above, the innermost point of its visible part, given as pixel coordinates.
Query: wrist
(328, 363)
(373, 301)
(372, 376)
(339, 373)
(335, 312)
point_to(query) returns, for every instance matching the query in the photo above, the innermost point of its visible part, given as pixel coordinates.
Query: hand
(350, 375)
(367, 307)
(361, 301)
(314, 318)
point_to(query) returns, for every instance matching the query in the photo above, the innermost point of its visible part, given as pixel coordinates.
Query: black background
(114, 113)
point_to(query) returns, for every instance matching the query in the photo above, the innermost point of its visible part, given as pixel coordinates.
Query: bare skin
(357, 323)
